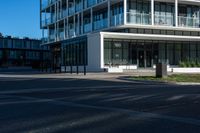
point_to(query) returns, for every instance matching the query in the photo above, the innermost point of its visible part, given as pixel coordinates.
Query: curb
(187, 83)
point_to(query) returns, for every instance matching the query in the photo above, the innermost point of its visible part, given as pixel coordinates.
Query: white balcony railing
(138, 18)
(117, 19)
(164, 20)
(192, 22)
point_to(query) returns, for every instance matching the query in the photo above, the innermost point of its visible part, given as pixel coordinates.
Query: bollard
(60, 68)
(84, 70)
(71, 69)
(77, 70)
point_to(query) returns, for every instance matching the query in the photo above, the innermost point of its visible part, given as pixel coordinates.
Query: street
(94, 105)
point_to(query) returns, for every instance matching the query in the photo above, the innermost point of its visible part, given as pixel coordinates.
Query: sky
(20, 18)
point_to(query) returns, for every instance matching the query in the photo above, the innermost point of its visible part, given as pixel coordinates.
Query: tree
(1, 35)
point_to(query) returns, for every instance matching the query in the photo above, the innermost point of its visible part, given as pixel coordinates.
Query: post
(84, 70)
(176, 13)
(60, 68)
(125, 11)
(77, 70)
(108, 13)
(152, 12)
(71, 69)
(46, 67)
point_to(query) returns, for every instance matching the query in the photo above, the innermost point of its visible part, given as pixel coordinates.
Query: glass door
(141, 58)
(148, 59)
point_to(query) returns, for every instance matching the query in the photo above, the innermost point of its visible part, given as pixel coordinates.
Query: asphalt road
(48, 105)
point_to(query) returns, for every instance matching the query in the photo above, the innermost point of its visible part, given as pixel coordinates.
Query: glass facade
(74, 52)
(148, 53)
(22, 52)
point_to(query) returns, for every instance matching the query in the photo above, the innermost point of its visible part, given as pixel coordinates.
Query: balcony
(61, 34)
(46, 3)
(117, 19)
(100, 24)
(87, 28)
(164, 20)
(71, 10)
(138, 18)
(191, 22)
(48, 21)
(72, 33)
(52, 37)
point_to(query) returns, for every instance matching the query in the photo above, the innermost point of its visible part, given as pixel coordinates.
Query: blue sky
(20, 18)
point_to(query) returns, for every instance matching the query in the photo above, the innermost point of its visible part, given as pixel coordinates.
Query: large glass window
(75, 52)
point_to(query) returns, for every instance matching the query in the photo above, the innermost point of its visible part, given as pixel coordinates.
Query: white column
(152, 12)
(176, 13)
(108, 13)
(125, 11)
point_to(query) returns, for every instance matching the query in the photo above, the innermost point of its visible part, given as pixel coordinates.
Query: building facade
(22, 52)
(121, 34)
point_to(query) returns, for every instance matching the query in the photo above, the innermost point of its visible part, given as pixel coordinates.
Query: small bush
(188, 63)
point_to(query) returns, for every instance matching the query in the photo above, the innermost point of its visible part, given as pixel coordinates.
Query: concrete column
(125, 11)
(152, 12)
(176, 13)
(108, 13)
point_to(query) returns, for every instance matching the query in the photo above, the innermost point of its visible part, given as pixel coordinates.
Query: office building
(26, 52)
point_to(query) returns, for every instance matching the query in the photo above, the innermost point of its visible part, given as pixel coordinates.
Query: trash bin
(161, 70)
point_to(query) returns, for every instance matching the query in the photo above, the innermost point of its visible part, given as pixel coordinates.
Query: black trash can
(161, 70)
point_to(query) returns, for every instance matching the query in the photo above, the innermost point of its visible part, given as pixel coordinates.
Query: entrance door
(141, 58)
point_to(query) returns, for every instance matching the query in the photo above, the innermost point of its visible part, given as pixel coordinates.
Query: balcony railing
(100, 24)
(52, 37)
(164, 20)
(48, 21)
(72, 33)
(138, 18)
(188, 22)
(46, 3)
(117, 19)
(87, 28)
(61, 34)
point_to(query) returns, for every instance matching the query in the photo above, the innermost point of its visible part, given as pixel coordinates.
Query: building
(121, 34)
(22, 52)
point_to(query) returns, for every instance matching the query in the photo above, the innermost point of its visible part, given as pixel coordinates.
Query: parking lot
(96, 104)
